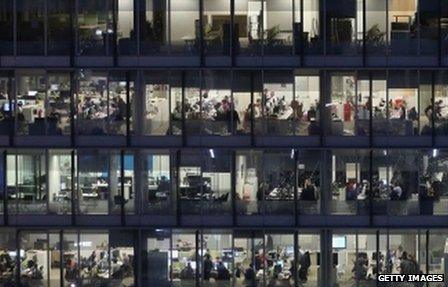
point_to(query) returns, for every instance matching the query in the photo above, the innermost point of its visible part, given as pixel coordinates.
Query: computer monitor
(339, 242)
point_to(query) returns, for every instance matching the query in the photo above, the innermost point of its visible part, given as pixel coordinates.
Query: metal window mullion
(48, 256)
(47, 178)
(5, 188)
(15, 27)
(46, 37)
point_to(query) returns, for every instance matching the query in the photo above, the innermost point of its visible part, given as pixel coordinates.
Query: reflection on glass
(26, 181)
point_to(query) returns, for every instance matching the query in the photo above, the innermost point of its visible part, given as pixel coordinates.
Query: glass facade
(222, 142)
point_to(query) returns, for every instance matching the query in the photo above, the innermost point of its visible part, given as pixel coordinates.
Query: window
(249, 26)
(26, 180)
(126, 33)
(279, 253)
(205, 182)
(403, 103)
(242, 105)
(60, 181)
(279, 104)
(59, 29)
(185, 25)
(248, 168)
(94, 28)
(9, 256)
(344, 27)
(163, 104)
(216, 104)
(350, 184)
(157, 194)
(278, 27)
(6, 24)
(395, 182)
(308, 181)
(277, 181)
(58, 98)
(184, 257)
(344, 103)
(217, 258)
(376, 26)
(312, 34)
(216, 27)
(103, 103)
(30, 101)
(30, 27)
(155, 37)
(307, 96)
(403, 27)
(157, 264)
(99, 182)
(6, 104)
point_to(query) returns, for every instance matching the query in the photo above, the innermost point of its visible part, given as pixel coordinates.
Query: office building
(222, 142)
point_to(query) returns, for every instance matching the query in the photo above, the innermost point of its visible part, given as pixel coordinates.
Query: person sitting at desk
(223, 272)
(208, 266)
(187, 273)
(396, 192)
(309, 191)
(249, 273)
